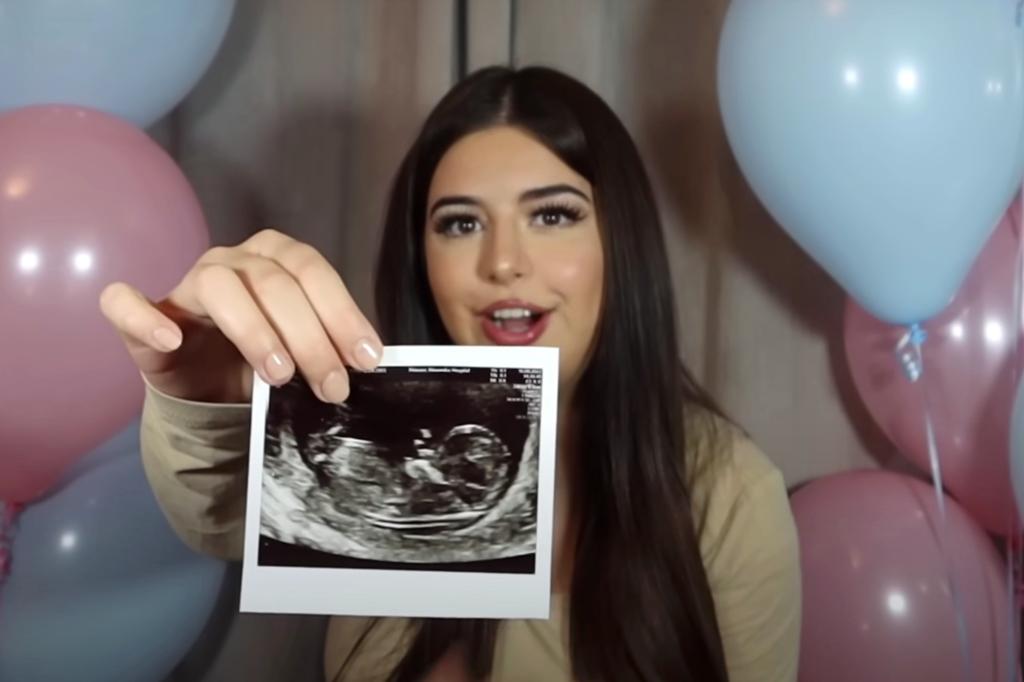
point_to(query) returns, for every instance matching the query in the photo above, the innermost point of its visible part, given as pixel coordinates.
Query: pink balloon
(85, 199)
(968, 372)
(876, 599)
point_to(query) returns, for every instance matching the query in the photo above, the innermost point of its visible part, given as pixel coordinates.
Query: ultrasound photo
(428, 493)
(428, 467)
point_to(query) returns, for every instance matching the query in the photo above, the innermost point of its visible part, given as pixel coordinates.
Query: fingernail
(334, 387)
(166, 338)
(278, 368)
(367, 355)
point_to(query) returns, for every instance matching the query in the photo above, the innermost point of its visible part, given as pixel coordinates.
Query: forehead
(498, 162)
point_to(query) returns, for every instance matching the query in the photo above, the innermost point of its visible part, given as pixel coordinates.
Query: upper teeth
(511, 313)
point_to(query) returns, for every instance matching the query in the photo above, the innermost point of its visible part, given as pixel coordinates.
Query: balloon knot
(909, 351)
(917, 335)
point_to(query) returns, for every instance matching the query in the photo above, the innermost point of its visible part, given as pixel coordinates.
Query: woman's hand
(272, 303)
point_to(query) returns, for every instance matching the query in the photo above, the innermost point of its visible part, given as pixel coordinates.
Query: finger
(138, 321)
(185, 296)
(220, 295)
(348, 329)
(282, 301)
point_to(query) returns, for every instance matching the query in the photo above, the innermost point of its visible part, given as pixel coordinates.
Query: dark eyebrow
(551, 190)
(453, 201)
(528, 195)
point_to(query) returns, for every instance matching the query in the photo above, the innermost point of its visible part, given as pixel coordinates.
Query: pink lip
(504, 337)
(512, 303)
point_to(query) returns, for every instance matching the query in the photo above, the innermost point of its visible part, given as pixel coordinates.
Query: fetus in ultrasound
(405, 459)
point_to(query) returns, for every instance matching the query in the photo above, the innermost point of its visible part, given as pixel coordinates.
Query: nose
(505, 258)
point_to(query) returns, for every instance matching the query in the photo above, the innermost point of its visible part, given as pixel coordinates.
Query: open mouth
(515, 320)
(514, 324)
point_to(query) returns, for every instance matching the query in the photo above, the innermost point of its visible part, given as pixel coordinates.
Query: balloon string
(1015, 562)
(1014, 557)
(1013, 592)
(1016, 598)
(8, 514)
(909, 350)
(1015, 550)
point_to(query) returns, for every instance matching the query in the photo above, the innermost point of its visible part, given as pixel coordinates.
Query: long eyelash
(444, 224)
(570, 211)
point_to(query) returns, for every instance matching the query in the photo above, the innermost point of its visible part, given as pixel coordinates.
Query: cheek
(442, 278)
(435, 273)
(580, 278)
(449, 282)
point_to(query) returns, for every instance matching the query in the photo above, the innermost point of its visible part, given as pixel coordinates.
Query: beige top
(195, 456)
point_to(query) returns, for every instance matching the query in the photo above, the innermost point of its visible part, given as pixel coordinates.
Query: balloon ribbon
(1015, 588)
(1015, 544)
(910, 355)
(8, 513)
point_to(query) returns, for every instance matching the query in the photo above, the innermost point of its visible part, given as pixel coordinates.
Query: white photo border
(413, 593)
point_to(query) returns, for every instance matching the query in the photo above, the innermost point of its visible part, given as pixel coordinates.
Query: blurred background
(295, 115)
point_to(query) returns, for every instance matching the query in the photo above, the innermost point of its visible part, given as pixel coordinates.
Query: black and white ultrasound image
(421, 468)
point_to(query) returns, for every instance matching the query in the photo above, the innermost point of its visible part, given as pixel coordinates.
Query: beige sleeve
(751, 554)
(195, 456)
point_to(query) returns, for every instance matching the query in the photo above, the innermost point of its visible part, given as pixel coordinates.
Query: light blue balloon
(101, 589)
(886, 136)
(132, 58)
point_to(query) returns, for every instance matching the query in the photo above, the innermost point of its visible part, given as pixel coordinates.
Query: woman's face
(514, 255)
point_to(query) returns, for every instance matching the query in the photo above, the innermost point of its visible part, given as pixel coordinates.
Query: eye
(457, 225)
(557, 215)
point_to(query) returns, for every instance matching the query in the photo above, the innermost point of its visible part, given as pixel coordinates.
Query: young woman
(676, 554)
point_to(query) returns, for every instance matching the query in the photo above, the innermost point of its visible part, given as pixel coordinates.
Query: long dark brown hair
(640, 605)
